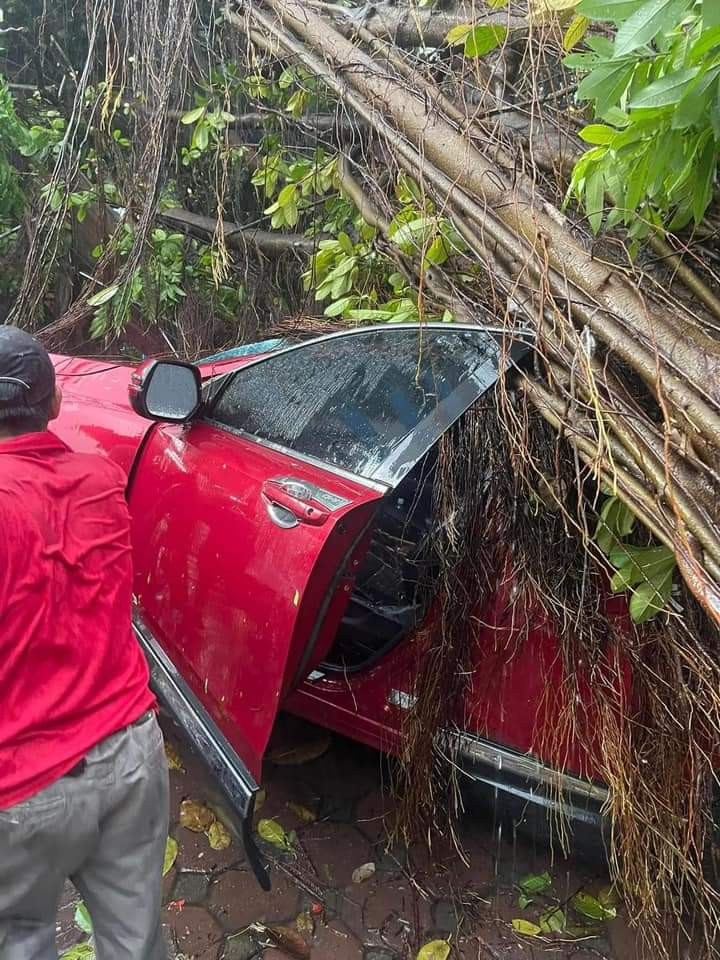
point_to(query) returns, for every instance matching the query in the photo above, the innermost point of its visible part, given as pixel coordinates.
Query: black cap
(25, 362)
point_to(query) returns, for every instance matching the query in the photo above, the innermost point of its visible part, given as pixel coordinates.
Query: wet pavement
(328, 816)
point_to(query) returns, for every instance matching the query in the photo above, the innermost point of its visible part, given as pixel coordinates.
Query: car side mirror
(165, 390)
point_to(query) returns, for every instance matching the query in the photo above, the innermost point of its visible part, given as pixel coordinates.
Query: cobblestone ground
(334, 808)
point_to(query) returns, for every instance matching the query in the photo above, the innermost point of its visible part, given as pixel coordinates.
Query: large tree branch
(271, 243)
(426, 27)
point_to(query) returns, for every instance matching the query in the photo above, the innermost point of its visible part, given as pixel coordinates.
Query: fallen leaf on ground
(195, 816)
(273, 832)
(305, 924)
(173, 758)
(82, 918)
(219, 836)
(301, 812)
(435, 950)
(609, 897)
(552, 921)
(524, 901)
(171, 852)
(526, 928)
(535, 883)
(82, 951)
(589, 906)
(290, 941)
(305, 753)
(177, 906)
(363, 873)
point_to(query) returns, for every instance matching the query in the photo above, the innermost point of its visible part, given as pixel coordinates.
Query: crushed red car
(281, 500)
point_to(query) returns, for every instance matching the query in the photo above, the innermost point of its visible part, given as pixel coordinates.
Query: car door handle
(295, 501)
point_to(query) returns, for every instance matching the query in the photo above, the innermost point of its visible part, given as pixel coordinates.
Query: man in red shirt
(83, 775)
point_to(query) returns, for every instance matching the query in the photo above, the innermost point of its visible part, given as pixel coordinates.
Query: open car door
(250, 522)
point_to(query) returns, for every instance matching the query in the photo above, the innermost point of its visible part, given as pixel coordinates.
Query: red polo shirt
(71, 671)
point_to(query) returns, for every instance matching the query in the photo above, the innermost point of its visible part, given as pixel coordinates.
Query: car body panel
(233, 598)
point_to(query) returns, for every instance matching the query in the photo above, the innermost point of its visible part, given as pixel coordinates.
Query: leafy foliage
(655, 90)
(13, 139)
(646, 571)
(174, 267)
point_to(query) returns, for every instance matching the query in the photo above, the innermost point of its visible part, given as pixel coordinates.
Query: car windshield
(370, 402)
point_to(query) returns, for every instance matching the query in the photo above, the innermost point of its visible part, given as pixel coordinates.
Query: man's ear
(56, 403)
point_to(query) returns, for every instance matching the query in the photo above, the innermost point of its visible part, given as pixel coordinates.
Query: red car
(281, 501)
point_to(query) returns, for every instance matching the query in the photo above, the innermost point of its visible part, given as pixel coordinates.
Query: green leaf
(437, 252)
(535, 883)
(287, 195)
(711, 13)
(336, 308)
(272, 832)
(666, 91)
(575, 33)
(457, 35)
(435, 950)
(650, 598)
(201, 137)
(704, 179)
(82, 951)
(82, 918)
(497, 4)
(552, 921)
(615, 10)
(597, 133)
(526, 929)
(192, 116)
(524, 901)
(695, 104)
(103, 296)
(605, 85)
(171, 852)
(588, 906)
(595, 198)
(644, 25)
(709, 40)
(483, 39)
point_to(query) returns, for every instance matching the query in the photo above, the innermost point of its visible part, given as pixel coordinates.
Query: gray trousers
(106, 830)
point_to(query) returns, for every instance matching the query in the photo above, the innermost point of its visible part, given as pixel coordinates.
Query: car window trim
(385, 479)
(228, 376)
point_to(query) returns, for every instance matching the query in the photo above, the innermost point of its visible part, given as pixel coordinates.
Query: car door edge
(205, 737)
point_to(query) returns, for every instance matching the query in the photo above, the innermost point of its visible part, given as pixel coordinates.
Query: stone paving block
(335, 851)
(240, 946)
(191, 887)
(236, 899)
(348, 906)
(372, 812)
(446, 916)
(388, 901)
(195, 933)
(335, 942)
(167, 885)
(196, 854)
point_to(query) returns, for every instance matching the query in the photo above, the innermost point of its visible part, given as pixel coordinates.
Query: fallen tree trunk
(566, 288)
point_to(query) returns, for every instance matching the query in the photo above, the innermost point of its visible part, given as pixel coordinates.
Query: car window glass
(355, 401)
